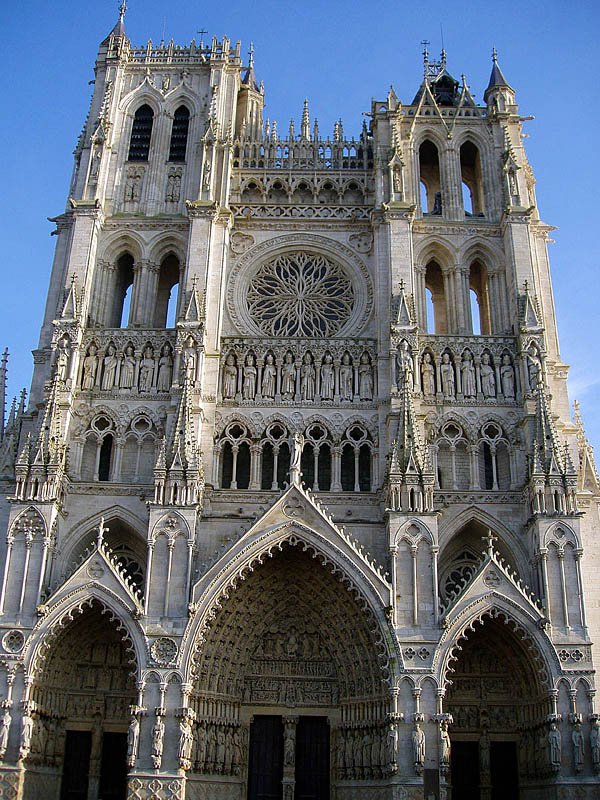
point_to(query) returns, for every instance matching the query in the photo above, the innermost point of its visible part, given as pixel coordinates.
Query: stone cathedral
(296, 509)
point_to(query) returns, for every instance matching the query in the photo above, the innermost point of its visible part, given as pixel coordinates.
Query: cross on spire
(201, 33)
(122, 9)
(251, 56)
(489, 539)
(102, 529)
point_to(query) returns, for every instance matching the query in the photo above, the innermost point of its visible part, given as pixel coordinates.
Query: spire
(497, 79)
(587, 472)
(119, 30)
(305, 128)
(3, 372)
(249, 78)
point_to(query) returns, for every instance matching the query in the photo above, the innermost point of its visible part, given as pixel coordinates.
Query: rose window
(300, 294)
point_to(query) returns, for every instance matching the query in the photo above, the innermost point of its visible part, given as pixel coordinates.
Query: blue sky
(339, 55)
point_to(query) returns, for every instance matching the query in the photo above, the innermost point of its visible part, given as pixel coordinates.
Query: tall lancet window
(141, 133)
(179, 134)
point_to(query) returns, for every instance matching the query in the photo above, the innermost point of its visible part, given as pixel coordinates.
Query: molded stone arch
(115, 245)
(424, 533)
(73, 536)
(561, 534)
(169, 521)
(436, 248)
(145, 93)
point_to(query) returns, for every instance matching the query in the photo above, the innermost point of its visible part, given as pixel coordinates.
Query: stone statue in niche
(26, 736)
(4, 731)
(133, 186)
(90, 367)
(346, 392)
(392, 746)
(229, 377)
(467, 371)
(289, 746)
(507, 376)
(269, 378)
(63, 359)
(484, 753)
(488, 379)
(444, 745)
(133, 740)
(128, 368)
(437, 204)
(190, 360)
(428, 375)
(109, 368)
(147, 369)
(397, 179)
(220, 750)
(165, 369)
(404, 368)
(307, 378)
(158, 736)
(534, 367)
(418, 742)
(249, 384)
(186, 740)
(173, 192)
(365, 378)
(288, 377)
(577, 739)
(327, 378)
(447, 376)
(595, 744)
(554, 747)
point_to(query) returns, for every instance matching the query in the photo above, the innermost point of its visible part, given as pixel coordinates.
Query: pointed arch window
(472, 181)
(429, 175)
(179, 134)
(141, 133)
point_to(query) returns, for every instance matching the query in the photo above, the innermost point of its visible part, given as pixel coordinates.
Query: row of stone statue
(469, 378)
(364, 752)
(148, 371)
(541, 749)
(306, 379)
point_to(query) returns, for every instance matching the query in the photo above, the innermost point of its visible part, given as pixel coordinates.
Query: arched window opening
(364, 468)
(105, 458)
(268, 464)
(487, 467)
(423, 196)
(434, 282)
(429, 310)
(141, 133)
(475, 318)
(347, 475)
(121, 310)
(324, 468)
(226, 466)
(307, 466)
(243, 466)
(167, 294)
(467, 199)
(429, 173)
(470, 170)
(179, 134)
(478, 282)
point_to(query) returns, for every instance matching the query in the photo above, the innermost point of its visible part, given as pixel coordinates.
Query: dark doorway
(266, 758)
(504, 769)
(76, 768)
(113, 768)
(312, 759)
(465, 770)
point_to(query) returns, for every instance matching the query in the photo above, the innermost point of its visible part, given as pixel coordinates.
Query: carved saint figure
(90, 367)
(554, 747)
(220, 750)
(534, 367)
(109, 368)
(346, 378)
(189, 360)
(428, 375)
(133, 186)
(484, 753)
(4, 731)
(186, 740)
(289, 746)
(392, 746)
(577, 739)
(365, 378)
(63, 359)
(296, 457)
(147, 370)
(269, 378)
(404, 368)
(507, 375)
(288, 377)
(327, 378)
(467, 372)
(26, 736)
(595, 744)
(249, 384)
(128, 368)
(307, 378)
(229, 377)
(488, 379)
(447, 375)
(418, 741)
(158, 735)
(444, 744)
(165, 369)
(133, 739)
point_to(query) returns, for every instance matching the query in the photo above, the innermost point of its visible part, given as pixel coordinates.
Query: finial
(489, 539)
(494, 55)
(122, 10)
(251, 56)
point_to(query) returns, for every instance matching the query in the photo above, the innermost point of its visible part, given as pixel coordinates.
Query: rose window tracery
(300, 294)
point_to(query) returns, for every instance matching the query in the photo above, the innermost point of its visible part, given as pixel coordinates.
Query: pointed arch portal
(289, 683)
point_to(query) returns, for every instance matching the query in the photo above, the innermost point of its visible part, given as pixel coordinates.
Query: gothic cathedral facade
(297, 508)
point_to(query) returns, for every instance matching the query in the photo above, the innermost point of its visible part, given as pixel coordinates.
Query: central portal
(286, 752)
